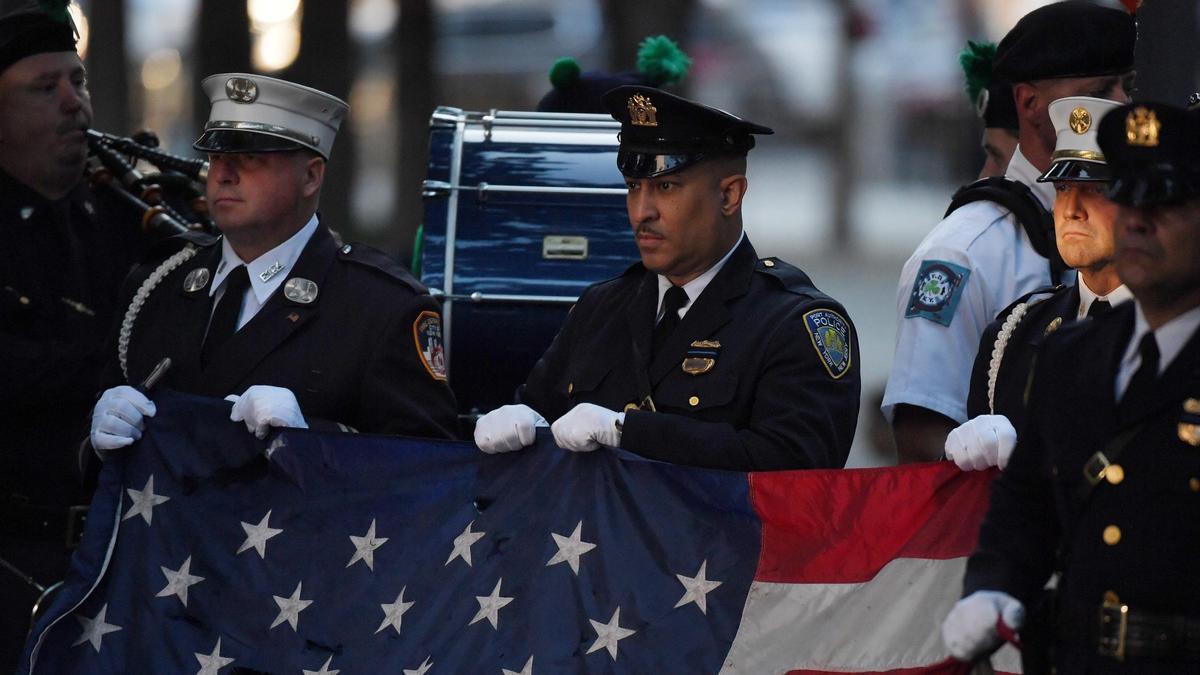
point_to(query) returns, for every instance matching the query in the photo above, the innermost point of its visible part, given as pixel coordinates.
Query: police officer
(993, 101)
(298, 329)
(702, 353)
(1083, 226)
(982, 257)
(64, 254)
(1107, 470)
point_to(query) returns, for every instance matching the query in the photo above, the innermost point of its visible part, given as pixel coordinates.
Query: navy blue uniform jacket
(773, 399)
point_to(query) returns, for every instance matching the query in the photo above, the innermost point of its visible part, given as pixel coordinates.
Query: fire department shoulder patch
(427, 333)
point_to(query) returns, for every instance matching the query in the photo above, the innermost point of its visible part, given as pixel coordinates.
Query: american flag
(209, 551)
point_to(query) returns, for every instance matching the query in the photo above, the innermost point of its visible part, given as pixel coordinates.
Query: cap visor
(634, 164)
(1076, 170)
(230, 140)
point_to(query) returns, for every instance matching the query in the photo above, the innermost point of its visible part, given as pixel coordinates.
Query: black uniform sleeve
(539, 391)
(399, 393)
(1017, 541)
(802, 416)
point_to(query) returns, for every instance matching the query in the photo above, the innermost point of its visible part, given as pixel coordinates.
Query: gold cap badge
(1081, 120)
(1142, 127)
(642, 112)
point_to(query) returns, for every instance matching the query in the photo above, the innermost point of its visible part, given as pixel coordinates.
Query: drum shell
(522, 212)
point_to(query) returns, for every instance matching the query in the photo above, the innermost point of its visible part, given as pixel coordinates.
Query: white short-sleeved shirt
(976, 262)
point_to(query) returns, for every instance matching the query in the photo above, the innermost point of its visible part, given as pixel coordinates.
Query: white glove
(263, 406)
(969, 631)
(587, 427)
(119, 418)
(987, 440)
(507, 428)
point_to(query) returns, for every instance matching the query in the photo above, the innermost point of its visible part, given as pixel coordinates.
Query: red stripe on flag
(844, 526)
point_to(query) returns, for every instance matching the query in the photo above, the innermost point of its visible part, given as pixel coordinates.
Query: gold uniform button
(1114, 474)
(694, 401)
(630, 407)
(570, 388)
(1112, 535)
(23, 300)
(769, 263)
(1194, 484)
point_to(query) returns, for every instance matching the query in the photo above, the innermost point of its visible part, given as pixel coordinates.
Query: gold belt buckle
(1094, 468)
(1113, 611)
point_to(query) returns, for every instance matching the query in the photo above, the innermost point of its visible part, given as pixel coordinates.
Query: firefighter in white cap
(295, 329)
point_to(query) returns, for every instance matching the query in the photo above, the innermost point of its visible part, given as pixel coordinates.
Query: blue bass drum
(523, 210)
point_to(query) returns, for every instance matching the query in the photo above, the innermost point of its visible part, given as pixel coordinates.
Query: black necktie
(1099, 308)
(674, 299)
(1142, 383)
(225, 319)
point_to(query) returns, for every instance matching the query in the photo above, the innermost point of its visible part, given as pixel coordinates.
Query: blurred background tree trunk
(108, 72)
(222, 45)
(415, 98)
(327, 62)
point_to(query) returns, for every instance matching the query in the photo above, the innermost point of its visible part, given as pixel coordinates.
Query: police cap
(1077, 155)
(662, 133)
(1073, 38)
(1153, 152)
(32, 31)
(254, 113)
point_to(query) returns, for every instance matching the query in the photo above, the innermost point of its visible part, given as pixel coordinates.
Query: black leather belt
(1124, 633)
(22, 520)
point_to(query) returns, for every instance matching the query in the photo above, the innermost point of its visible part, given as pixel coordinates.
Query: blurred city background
(874, 131)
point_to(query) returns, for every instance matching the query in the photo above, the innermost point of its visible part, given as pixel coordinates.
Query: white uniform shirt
(971, 266)
(267, 272)
(696, 286)
(1087, 296)
(1170, 338)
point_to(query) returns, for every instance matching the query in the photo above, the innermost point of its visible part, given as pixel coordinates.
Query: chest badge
(196, 280)
(1053, 325)
(701, 356)
(300, 290)
(1189, 422)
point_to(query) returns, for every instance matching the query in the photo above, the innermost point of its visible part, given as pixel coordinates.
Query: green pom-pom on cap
(55, 9)
(976, 61)
(564, 72)
(661, 60)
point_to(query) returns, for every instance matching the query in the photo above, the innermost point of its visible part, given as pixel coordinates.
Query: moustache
(646, 229)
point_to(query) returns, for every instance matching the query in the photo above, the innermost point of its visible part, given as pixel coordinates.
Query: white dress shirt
(696, 286)
(1087, 296)
(267, 272)
(1170, 337)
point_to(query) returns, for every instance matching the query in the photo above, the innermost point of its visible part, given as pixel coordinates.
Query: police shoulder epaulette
(373, 258)
(789, 276)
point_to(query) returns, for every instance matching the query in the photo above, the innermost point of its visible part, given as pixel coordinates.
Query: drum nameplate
(559, 247)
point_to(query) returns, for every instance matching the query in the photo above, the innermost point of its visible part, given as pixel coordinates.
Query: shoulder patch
(936, 291)
(830, 334)
(427, 335)
(378, 260)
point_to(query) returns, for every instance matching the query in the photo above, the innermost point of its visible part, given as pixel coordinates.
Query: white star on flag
(696, 589)
(392, 613)
(462, 544)
(364, 547)
(570, 548)
(178, 581)
(489, 606)
(290, 608)
(211, 663)
(144, 501)
(257, 536)
(95, 629)
(324, 669)
(421, 669)
(527, 670)
(609, 634)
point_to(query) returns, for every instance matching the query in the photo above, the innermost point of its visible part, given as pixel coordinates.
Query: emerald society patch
(937, 290)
